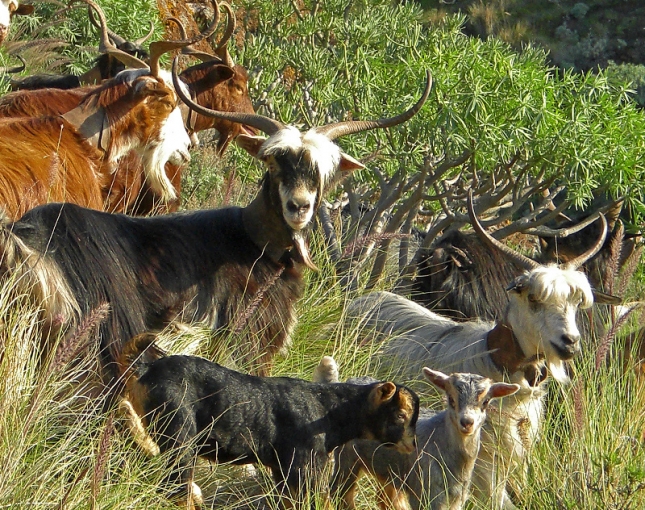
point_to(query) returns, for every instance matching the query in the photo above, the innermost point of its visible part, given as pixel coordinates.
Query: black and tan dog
(290, 425)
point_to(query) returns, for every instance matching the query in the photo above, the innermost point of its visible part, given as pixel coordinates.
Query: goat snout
(570, 339)
(299, 209)
(568, 346)
(466, 424)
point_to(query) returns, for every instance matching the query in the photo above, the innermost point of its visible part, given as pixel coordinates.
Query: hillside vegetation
(592, 35)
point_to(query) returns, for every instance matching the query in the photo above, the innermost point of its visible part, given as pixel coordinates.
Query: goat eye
(532, 299)
(485, 403)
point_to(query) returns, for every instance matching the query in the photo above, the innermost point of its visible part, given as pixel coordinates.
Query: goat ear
(439, 379)
(606, 299)
(217, 74)
(382, 393)
(499, 390)
(24, 9)
(250, 144)
(348, 163)
(92, 123)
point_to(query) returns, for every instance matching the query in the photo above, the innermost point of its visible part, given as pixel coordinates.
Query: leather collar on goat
(508, 357)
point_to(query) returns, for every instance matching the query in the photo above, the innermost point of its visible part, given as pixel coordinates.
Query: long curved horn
(106, 46)
(201, 55)
(143, 39)
(264, 124)
(221, 50)
(16, 69)
(581, 259)
(116, 38)
(158, 48)
(521, 260)
(333, 131)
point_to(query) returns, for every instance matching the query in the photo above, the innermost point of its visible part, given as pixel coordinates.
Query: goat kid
(438, 474)
(233, 269)
(196, 407)
(537, 336)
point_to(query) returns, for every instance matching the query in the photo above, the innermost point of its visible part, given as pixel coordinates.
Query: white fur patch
(5, 14)
(551, 284)
(172, 141)
(172, 146)
(40, 277)
(324, 154)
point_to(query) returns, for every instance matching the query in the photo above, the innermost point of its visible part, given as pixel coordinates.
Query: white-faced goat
(233, 269)
(438, 474)
(536, 336)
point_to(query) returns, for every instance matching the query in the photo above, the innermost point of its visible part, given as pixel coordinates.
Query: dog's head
(393, 412)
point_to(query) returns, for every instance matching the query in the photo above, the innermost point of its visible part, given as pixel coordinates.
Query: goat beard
(558, 371)
(302, 249)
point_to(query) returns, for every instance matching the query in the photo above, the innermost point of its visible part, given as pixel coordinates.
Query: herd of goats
(90, 173)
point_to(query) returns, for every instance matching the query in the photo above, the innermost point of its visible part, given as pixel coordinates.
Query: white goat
(438, 474)
(538, 331)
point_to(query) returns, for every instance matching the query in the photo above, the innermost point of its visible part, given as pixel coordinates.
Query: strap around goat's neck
(508, 357)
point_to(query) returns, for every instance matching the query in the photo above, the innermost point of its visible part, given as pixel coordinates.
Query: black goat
(461, 277)
(194, 406)
(225, 268)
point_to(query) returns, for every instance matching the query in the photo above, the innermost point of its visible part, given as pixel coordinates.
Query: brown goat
(70, 158)
(123, 175)
(231, 95)
(214, 84)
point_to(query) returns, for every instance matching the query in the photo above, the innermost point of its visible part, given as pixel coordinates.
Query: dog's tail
(137, 351)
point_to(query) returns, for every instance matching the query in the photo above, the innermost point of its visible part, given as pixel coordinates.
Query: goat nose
(298, 208)
(466, 423)
(570, 339)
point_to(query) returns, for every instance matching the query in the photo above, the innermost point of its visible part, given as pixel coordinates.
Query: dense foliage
(487, 98)
(579, 35)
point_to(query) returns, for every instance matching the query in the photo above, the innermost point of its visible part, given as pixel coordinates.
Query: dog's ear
(382, 393)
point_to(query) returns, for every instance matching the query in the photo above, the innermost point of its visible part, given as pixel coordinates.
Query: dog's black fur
(289, 425)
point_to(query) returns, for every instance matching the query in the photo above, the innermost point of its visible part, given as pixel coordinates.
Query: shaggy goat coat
(200, 267)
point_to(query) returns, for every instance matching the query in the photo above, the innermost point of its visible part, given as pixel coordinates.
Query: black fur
(194, 267)
(289, 425)
(107, 65)
(45, 81)
(462, 278)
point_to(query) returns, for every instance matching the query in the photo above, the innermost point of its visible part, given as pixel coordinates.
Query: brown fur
(124, 189)
(47, 159)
